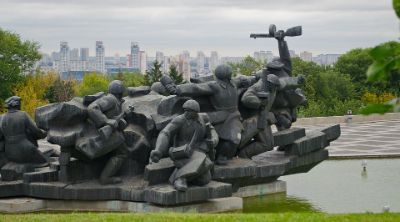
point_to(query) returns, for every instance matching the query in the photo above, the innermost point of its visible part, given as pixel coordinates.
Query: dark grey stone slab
(302, 164)
(160, 172)
(166, 195)
(92, 190)
(51, 190)
(332, 132)
(41, 176)
(11, 188)
(236, 168)
(311, 142)
(14, 171)
(286, 137)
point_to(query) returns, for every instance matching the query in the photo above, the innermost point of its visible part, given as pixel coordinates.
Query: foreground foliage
(17, 57)
(233, 217)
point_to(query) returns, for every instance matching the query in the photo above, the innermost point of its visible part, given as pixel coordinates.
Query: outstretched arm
(291, 82)
(193, 89)
(32, 128)
(284, 51)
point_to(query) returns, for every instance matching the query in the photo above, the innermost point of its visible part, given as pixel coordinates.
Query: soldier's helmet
(191, 105)
(223, 72)
(13, 102)
(273, 79)
(275, 64)
(116, 87)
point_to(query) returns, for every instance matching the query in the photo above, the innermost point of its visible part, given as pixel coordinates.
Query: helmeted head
(275, 64)
(191, 108)
(14, 102)
(223, 72)
(117, 88)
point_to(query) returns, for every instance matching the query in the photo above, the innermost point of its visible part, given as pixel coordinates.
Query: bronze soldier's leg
(113, 165)
(226, 150)
(263, 141)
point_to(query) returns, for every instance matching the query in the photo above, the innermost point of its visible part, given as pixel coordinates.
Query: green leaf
(396, 6)
(376, 71)
(376, 108)
(383, 52)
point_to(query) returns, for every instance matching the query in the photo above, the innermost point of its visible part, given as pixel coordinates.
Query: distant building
(135, 56)
(293, 54)
(84, 55)
(160, 57)
(226, 60)
(143, 62)
(55, 56)
(63, 65)
(214, 61)
(74, 54)
(326, 59)
(270, 56)
(100, 52)
(260, 56)
(306, 56)
(129, 60)
(201, 60)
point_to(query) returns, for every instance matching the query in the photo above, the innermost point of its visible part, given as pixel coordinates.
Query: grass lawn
(233, 217)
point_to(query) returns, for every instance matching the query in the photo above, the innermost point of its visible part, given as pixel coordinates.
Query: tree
(247, 67)
(17, 57)
(131, 78)
(175, 75)
(154, 74)
(33, 89)
(61, 90)
(93, 83)
(355, 63)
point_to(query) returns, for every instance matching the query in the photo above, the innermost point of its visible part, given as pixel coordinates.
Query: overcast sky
(170, 26)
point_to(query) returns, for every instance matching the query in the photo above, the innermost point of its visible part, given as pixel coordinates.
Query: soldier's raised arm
(284, 52)
(96, 111)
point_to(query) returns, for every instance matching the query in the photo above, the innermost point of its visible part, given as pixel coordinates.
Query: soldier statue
(106, 113)
(223, 96)
(19, 135)
(287, 101)
(193, 142)
(257, 136)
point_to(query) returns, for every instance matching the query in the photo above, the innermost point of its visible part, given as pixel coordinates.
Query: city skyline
(223, 26)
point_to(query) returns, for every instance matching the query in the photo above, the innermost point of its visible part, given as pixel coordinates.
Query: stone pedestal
(22, 205)
(261, 189)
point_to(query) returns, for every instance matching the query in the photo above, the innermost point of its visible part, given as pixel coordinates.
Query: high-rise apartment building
(201, 61)
(74, 54)
(142, 62)
(100, 63)
(63, 65)
(214, 60)
(135, 55)
(84, 54)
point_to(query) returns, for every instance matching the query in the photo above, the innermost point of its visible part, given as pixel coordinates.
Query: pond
(337, 186)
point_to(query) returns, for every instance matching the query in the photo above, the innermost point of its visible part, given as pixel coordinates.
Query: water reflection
(337, 186)
(277, 203)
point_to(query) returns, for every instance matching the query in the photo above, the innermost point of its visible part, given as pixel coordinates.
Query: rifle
(272, 33)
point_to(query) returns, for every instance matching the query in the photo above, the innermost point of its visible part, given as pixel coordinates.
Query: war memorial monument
(165, 146)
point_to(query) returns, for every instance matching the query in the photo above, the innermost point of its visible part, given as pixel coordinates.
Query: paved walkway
(372, 139)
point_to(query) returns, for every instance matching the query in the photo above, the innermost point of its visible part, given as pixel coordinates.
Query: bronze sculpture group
(176, 132)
